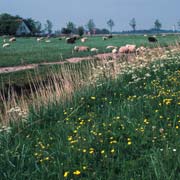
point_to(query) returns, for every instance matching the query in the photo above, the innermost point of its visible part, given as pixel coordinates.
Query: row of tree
(71, 28)
(90, 27)
(8, 25)
(157, 24)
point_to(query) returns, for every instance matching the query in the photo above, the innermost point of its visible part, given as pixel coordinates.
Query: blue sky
(80, 11)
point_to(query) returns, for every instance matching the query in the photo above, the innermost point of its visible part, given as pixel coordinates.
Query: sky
(80, 11)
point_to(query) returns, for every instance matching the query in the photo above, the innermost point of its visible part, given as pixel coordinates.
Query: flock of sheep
(129, 48)
(6, 44)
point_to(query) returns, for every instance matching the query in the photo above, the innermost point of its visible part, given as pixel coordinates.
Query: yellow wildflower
(112, 150)
(66, 173)
(93, 97)
(77, 172)
(102, 152)
(129, 142)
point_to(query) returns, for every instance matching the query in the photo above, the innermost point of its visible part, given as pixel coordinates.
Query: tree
(38, 26)
(80, 30)
(110, 24)
(178, 24)
(90, 25)
(132, 23)
(65, 31)
(9, 24)
(71, 26)
(105, 31)
(157, 25)
(48, 26)
(57, 32)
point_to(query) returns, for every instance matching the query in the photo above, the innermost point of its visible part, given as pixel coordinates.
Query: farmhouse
(22, 28)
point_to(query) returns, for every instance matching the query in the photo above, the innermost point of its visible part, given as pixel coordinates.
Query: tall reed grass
(63, 80)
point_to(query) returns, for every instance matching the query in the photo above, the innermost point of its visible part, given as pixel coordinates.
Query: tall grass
(123, 127)
(62, 81)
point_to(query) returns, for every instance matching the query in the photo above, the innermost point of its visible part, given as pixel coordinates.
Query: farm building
(22, 28)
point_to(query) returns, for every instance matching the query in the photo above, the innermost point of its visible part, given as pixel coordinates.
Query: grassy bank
(123, 128)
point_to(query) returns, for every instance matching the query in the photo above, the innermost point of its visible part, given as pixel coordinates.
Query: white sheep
(39, 39)
(104, 38)
(12, 39)
(48, 41)
(84, 40)
(111, 47)
(5, 45)
(94, 50)
(114, 51)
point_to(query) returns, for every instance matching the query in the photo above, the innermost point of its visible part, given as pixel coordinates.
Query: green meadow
(28, 50)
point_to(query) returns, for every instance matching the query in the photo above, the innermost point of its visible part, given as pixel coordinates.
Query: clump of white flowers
(5, 129)
(17, 112)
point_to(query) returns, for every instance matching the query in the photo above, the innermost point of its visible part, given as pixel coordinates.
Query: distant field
(28, 50)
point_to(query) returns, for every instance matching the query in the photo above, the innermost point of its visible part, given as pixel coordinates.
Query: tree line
(8, 25)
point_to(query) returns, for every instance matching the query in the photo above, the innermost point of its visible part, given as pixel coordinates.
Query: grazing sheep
(111, 47)
(123, 49)
(76, 37)
(145, 35)
(4, 40)
(76, 48)
(84, 40)
(114, 51)
(81, 48)
(131, 48)
(94, 50)
(127, 49)
(152, 39)
(48, 41)
(5, 45)
(39, 39)
(71, 40)
(107, 37)
(12, 39)
(104, 38)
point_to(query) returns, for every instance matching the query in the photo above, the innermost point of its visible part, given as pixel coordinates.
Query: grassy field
(28, 50)
(126, 128)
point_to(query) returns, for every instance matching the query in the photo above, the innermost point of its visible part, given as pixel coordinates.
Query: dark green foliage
(9, 24)
(157, 25)
(65, 31)
(91, 26)
(80, 30)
